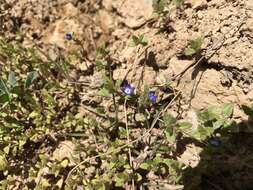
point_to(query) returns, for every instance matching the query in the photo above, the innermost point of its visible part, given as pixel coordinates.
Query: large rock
(134, 13)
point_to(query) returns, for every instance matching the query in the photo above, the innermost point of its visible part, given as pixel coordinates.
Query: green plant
(177, 2)
(194, 46)
(159, 6)
(102, 51)
(32, 110)
(173, 128)
(162, 165)
(142, 40)
(210, 121)
(42, 109)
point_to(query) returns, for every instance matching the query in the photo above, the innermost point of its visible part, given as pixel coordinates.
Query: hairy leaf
(31, 77)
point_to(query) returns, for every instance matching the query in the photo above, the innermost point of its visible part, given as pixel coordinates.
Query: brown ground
(227, 77)
(226, 25)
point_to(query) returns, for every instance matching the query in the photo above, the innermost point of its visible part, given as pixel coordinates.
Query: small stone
(69, 10)
(196, 4)
(134, 13)
(106, 21)
(107, 4)
(65, 150)
(140, 117)
(52, 54)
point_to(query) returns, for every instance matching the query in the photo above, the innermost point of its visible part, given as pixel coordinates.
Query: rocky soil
(224, 76)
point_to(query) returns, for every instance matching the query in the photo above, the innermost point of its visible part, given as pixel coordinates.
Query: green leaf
(121, 179)
(144, 97)
(228, 110)
(145, 166)
(4, 93)
(132, 44)
(168, 162)
(43, 157)
(212, 113)
(185, 125)
(12, 80)
(159, 5)
(109, 85)
(135, 40)
(218, 124)
(3, 163)
(102, 50)
(177, 2)
(170, 135)
(59, 183)
(118, 84)
(203, 132)
(4, 98)
(64, 163)
(143, 40)
(6, 149)
(3, 88)
(31, 77)
(101, 64)
(164, 148)
(104, 92)
(169, 120)
(44, 183)
(194, 46)
(189, 51)
(137, 177)
(197, 43)
(21, 143)
(228, 124)
(138, 40)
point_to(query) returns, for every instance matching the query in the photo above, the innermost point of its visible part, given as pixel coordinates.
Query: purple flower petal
(68, 36)
(152, 96)
(128, 90)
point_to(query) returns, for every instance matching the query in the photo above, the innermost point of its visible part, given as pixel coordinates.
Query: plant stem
(116, 109)
(113, 95)
(127, 144)
(128, 141)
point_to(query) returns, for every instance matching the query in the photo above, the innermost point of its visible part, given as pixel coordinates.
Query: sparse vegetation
(194, 46)
(30, 115)
(130, 134)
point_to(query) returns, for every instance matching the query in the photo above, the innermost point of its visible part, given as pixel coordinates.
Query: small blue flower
(215, 141)
(128, 89)
(152, 96)
(69, 36)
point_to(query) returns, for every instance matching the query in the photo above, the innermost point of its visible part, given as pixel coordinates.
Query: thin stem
(147, 114)
(128, 141)
(116, 109)
(147, 121)
(127, 144)
(113, 95)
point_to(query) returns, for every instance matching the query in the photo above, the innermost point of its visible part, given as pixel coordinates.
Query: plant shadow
(224, 166)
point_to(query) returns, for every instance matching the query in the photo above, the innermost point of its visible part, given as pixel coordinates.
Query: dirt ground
(225, 76)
